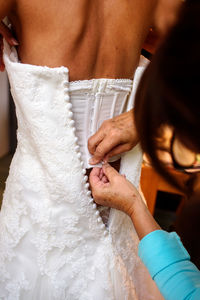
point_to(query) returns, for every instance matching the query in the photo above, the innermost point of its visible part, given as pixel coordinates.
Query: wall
(4, 115)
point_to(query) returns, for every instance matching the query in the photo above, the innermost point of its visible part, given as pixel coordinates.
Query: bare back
(93, 38)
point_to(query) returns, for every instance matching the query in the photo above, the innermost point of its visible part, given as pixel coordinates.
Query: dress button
(66, 83)
(69, 105)
(99, 220)
(87, 185)
(79, 154)
(74, 129)
(82, 163)
(77, 148)
(84, 170)
(66, 98)
(89, 193)
(91, 201)
(97, 213)
(76, 139)
(71, 123)
(85, 179)
(102, 226)
(70, 114)
(94, 206)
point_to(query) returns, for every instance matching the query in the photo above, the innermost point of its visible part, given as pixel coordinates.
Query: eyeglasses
(184, 159)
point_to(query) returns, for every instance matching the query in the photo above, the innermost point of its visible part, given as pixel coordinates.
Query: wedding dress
(53, 242)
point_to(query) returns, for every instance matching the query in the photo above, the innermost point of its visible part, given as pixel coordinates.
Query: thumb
(109, 171)
(94, 177)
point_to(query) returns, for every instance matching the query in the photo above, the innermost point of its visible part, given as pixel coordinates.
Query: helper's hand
(7, 34)
(109, 188)
(115, 136)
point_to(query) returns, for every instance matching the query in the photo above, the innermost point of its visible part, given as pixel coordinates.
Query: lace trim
(111, 80)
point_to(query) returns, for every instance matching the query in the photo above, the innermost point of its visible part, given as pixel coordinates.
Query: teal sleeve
(169, 264)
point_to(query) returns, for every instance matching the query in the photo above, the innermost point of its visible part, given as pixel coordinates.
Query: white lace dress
(53, 243)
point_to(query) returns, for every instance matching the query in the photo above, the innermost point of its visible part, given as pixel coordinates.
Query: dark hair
(187, 227)
(168, 93)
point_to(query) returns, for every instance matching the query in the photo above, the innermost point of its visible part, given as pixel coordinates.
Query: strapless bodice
(94, 101)
(90, 101)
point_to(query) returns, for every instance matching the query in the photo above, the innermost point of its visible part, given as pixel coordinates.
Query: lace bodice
(94, 101)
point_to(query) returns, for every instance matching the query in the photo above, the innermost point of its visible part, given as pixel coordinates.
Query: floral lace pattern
(53, 243)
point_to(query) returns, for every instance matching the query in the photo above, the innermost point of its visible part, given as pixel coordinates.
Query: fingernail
(15, 42)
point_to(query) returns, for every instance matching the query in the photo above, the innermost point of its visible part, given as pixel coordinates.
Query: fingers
(7, 34)
(97, 177)
(94, 140)
(98, 186)
(101, 174)
(102, 149)
(117, 150)
(109, 172)
(94, 177)
(105, 179)
(115, 136)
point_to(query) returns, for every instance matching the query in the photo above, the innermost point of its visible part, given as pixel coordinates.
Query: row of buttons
(77, 149)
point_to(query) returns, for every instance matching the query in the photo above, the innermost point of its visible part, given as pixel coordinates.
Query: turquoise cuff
(159, 249)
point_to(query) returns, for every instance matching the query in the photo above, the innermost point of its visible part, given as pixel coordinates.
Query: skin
(115, 136)
(109, 188)
(119, 135)
(105, 41)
